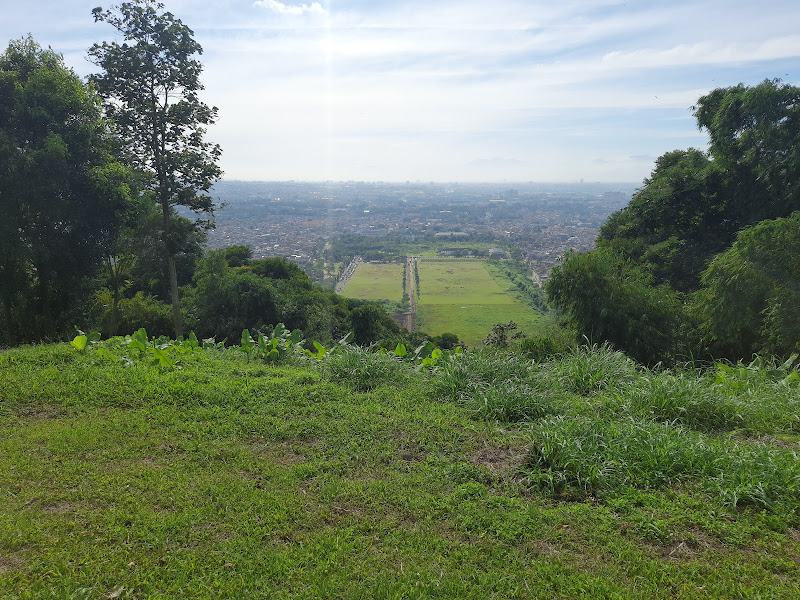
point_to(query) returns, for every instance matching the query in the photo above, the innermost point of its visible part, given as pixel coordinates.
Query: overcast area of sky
(453, 90)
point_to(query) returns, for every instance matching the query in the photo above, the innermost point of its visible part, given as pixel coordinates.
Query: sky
(462, 90)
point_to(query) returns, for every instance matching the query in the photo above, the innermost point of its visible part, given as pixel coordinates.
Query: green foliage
(142, 311)
(150, 83)
(62, 194)
(371, 323)
(224, 445)
(673, 223)
(362, 369)
(280, 344)
(608, 299)
(540, 348)
(238, 255)
(751, 299)
(588, 455)
(500, 335)
(83, 341)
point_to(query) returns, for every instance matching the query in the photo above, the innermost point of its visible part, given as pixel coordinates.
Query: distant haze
(445, 90)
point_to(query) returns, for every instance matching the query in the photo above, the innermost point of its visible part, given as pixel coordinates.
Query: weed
(362, 369)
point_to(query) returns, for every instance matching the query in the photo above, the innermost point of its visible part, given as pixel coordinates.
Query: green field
(376, 281)
(460, 296)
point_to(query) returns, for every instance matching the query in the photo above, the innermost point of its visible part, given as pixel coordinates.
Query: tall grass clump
(587, 369)
(586, 455)
(362, 369)
(684, 399)
(494, 385)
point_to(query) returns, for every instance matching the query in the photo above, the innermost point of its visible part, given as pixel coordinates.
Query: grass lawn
(473, 322)
(236, 479)
(376, 282)
(461, 297)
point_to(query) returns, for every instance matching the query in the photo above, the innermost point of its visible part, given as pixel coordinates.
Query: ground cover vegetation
(702, 262)
(346, 472)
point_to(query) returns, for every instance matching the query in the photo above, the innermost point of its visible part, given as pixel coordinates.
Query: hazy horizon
(466, 91)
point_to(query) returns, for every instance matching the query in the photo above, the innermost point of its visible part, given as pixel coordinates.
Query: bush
(539, 349)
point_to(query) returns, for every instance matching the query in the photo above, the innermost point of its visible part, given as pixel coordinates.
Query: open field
(460, 296)
(376, 281)
(492, 478)
(473, 322)
(458, 281)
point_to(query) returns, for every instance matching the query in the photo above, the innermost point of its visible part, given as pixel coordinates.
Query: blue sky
(465, 90)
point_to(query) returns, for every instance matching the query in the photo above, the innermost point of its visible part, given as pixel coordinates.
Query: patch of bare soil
(502, 460)
(279, 454)
(9, 563)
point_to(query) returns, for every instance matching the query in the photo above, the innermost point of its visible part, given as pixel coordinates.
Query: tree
(151, 83)
(62, 193)
(607, 298)
(755, 139)
(675, 221)
(751, 299)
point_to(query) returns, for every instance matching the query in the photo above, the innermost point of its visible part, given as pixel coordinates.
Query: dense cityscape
(293, 219)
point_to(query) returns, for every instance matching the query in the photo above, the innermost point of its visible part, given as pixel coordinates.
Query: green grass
(460, 296)
(376, 281)
(584, 476)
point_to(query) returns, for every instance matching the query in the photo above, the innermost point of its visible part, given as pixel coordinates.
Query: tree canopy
(63, 195)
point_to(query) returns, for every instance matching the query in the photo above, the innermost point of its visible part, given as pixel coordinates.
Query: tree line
(703, 262)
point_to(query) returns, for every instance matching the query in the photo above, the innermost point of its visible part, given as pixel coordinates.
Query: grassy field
(376, 281)
(461, 297)
(491, 477)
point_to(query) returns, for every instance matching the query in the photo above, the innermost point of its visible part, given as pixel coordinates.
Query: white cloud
(292, 9)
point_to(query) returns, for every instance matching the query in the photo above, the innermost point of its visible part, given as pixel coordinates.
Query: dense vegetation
(137, 467)
(702, 262)
(92, 176)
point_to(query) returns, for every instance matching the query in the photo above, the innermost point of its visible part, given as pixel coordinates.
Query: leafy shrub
(540, 348)
(145, 312)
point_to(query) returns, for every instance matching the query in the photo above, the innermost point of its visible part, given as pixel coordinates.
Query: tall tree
(151, 83)
(62, 194)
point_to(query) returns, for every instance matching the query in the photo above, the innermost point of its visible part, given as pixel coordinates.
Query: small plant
(741, 376)
(321, 351)
(83, 341)
(279, 345)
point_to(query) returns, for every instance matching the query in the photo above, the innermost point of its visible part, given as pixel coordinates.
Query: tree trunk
(177, 320)
(11, 338)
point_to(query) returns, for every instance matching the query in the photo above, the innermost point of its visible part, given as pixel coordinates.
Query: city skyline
(453, 91)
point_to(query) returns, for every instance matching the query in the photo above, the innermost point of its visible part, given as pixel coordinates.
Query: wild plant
(83, 340)
(589, 369)
(759, 370)
(362, 369)
(508, 402)
(684, 399)
(587, 455)
(321, 351)
(278, 346)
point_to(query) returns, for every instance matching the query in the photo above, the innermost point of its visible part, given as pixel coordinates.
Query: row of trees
(703, 260)
(91, 175)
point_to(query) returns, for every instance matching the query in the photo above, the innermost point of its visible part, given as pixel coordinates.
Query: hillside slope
(360, 476)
